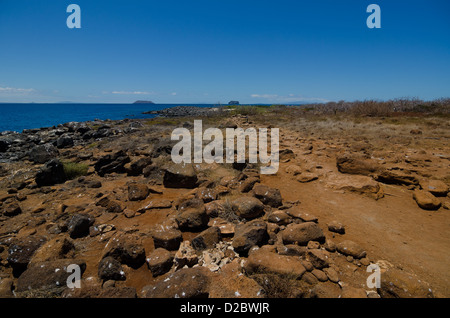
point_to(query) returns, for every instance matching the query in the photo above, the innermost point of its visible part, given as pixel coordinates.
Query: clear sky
(209, 51)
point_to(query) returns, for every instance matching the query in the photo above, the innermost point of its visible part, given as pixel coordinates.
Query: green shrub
(74, 170)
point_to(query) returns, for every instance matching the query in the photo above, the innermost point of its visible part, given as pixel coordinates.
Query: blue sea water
(16, 117)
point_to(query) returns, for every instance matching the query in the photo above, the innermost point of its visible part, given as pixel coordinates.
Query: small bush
(74, 170)
(277, 286)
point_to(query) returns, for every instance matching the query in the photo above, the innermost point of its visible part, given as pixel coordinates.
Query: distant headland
(143, 102)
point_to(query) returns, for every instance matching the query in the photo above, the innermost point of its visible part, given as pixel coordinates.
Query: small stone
(331, 274)
(313, 245)
(137, 192)
(267, 195)
(308, 265)
(320, 275)
(226, 228)
(129, 213)
(336, 227)
(319, 258)
(279, 217)
(307, 177)
(330, 246)
(310, 278)
(365, 261)
(426, 200)
(295, 212)
(185, 256)
(291, 250)
(12, 209)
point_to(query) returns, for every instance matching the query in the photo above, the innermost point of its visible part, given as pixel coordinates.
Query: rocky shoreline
(187, 111)
(40, 144)
(140, 226)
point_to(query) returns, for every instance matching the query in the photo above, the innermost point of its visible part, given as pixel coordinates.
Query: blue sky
(205, 51)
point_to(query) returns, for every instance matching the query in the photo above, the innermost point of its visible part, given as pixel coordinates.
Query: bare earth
(379, 214)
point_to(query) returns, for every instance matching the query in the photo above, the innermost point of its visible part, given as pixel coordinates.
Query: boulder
(396, 283)
(226, 228)
(112, 163)
(206, 239)
(319, 258)
(110, 269)
(127, 249)
(248, 184)
(137, 192)
(160, 261)
(111, 205)
(12, 209)
(356, 165)
(180, 176)
(118, 292)
(350, 248)
(43, 153)
(4, 145)
(52, 173)
(21, 251)
(48, 275)
(302, 233)
(184, 283)
(355, 183)
(215, 208)
(291, 250)
(426, 200)
(192, 215)
(264, 261)
(353, 292)
(247, 207)
(267, 195)
(206, 194)
(79, 224)
(305, 177)
(435, 187)
(6, 287)
(167, 238)
(64, 141)
(247, 235)
(397, 177)
(136, 167)
(56, 248)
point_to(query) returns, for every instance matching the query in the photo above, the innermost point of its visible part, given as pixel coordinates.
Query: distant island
(143, 102)
(233, 102)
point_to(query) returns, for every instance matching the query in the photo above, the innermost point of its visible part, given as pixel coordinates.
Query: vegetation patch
(74, 170)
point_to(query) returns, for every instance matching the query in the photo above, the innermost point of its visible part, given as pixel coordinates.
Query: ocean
(16, 117)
